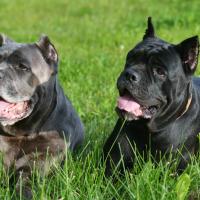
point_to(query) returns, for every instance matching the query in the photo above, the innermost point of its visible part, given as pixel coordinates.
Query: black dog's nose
(132, 75)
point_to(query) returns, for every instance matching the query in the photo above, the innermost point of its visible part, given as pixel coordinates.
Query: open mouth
(13, 112)
(129, 108)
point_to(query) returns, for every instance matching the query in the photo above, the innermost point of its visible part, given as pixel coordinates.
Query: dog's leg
(37, 153)
(125, 144)
(118, 151)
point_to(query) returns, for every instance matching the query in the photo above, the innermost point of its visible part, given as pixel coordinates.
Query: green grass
(93, 38)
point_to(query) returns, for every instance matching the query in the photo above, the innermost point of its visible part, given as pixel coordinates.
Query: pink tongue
(4, 105)
(126, 103)
(12, 110)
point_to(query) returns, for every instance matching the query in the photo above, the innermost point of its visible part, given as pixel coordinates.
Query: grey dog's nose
(132, 75)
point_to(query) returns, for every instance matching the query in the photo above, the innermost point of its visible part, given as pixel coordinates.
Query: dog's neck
(159, 123)
(186, 107)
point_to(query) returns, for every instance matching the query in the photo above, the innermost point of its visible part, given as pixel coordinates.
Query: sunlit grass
(93, 38)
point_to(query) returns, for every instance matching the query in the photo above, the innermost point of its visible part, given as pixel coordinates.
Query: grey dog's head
(23, 67)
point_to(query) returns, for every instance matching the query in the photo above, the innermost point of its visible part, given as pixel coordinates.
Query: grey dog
(35, 115)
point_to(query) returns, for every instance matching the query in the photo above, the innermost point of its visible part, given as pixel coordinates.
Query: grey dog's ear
(48, 50)
(189, 52)
(4, 39)
(150, 29)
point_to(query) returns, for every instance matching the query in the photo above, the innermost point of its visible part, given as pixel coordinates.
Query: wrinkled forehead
(9, 48)
(30, 55)
(150, 43)
(20, 51)
(154, 51)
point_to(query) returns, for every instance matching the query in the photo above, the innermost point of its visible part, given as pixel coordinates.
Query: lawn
(93, 38)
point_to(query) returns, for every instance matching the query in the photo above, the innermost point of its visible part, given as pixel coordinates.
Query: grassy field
(93, 38)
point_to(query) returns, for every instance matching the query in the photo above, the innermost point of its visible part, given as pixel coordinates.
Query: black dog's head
(23, 68)
(156, 81)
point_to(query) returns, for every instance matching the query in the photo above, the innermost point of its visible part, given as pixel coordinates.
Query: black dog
(159, 100)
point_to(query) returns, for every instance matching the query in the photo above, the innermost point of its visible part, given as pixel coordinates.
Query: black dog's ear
(4, 40)
(189, 52)
(48, 50)
(150, 29)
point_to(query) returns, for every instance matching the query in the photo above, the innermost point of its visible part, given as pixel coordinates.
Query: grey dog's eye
(159, 72)
(23, 67)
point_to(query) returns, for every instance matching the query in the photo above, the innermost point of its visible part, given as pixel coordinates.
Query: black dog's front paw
(24, 192)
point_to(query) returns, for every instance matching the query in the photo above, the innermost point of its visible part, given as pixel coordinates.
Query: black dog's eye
(23, 67)
(158, 71)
